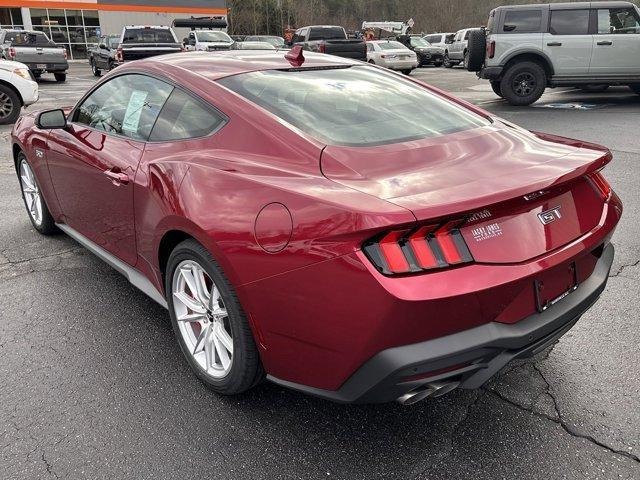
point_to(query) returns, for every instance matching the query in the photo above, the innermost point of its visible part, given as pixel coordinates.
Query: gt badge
(550, 216)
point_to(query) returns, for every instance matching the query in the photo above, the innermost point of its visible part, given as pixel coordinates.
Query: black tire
(594, 88)
(523, 83)
(495, 86)
(60, 77)
(10, 105)
(407, 72)
(47, 225)
(110, 65)
(372, 62)
(246, 369)
(446, 61)
(94, 68)
(476, 50)
(635, 88)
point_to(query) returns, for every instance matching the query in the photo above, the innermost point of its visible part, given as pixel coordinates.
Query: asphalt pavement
(93, 385)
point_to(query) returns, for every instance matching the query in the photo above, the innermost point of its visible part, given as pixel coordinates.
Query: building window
(76, 30)
(11, 18)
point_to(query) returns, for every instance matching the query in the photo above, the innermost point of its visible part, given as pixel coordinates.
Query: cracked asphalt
(93, 385)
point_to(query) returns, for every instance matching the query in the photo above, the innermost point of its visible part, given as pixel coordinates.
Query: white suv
(17, 89)
(527, 48)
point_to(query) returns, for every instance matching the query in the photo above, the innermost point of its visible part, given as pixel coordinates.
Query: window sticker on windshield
(137, 102)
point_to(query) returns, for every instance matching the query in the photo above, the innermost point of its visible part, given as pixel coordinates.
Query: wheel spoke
(200, 284)
(192, 317)
(203, 335)
(222, 352)
(191, 282)
(224, 338)
(189, 302)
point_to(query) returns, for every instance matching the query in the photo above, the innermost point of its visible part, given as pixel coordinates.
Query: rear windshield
(419, 42)
(147, 35)
(327, 33)
(214, 36)
(392, 46)
(355, 106)
(26, 39)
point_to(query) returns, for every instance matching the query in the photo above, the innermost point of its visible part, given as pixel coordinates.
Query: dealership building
(78, 24)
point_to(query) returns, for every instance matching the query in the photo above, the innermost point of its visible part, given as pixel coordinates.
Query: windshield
(327, 33)
(419, 42)
(213, 36)
(392, 46)
(147, 35)
(355, 106)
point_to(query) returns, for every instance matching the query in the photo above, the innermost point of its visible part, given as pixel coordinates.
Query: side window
(457, 37)
(185, 117)
(466, 34)
(522, 21)
(569, 22)
(618, 21)
(127, 105)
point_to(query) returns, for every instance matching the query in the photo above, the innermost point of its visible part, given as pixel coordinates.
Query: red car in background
(325, 223)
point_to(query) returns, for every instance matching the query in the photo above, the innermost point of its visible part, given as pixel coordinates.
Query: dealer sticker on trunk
(480, 234)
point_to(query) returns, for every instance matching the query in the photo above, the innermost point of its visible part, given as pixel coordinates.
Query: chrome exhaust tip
(434, 389)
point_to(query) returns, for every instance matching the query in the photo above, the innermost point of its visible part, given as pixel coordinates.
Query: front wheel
(523, 83)
(37, 209)
(10, 105)
(94, 68)
(209, 323)
(447, 61)
(60, 77)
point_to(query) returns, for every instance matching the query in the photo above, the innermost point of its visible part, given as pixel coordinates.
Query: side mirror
(51, 119)
(185, 40)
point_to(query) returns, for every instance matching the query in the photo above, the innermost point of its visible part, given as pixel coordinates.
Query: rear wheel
(209, 323)
(523, 83)
(60, 77)
(447, 61)
(37, 209)
(10, 105)
(495, 86)
(94, 68)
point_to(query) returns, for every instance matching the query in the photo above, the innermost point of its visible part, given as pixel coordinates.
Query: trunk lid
(524, 194)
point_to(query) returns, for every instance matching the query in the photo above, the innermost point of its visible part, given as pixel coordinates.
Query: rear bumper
(491, 73)
(49, 67)
(471, 356)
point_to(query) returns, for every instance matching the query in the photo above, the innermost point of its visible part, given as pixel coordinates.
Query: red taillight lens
(491, 49)
(322, 48)
(119, 55)
(601, 185)
(64, 50)
(12, 52)
(417, 250)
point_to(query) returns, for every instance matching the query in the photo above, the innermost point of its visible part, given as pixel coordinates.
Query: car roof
(222, 64)
(570, 5)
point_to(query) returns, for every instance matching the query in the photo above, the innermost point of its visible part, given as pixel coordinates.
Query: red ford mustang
(333, 226)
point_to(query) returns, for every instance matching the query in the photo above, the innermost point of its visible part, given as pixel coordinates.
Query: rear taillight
(12, 52)
(424, 248)
(601, 185)
(491, 49)
(322, 48)
(64, 53)
(119, 55)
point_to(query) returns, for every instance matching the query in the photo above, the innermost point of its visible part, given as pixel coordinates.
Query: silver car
(392, 55)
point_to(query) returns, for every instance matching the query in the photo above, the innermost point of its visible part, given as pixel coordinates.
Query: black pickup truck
(143, 41)
(330, 39)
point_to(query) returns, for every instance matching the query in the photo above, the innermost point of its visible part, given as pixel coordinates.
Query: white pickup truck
(17, 90)
(35, 50)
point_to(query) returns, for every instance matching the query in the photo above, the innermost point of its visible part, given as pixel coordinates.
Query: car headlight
(22, 72)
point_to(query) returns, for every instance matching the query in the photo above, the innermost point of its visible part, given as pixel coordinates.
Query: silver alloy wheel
(31, 192)
(202, 318)
(6, 105)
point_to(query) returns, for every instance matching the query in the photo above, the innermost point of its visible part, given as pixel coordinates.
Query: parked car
(589, 44)
(18, 89)
(252, 46)
(277, 42)
(35, 50)
(456, 53)
(331, 40)
(144, 41)
(442, 40)
(427, 53)
(207, 40)
(393, 55)
(103, 56)
(365, 246)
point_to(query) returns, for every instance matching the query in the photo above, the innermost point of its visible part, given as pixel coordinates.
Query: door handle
(554, 44)
(605, 42)
(117, 178)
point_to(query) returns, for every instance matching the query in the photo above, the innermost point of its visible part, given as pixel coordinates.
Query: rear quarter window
(522, 21)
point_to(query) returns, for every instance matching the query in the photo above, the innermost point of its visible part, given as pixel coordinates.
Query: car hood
(463, 171)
